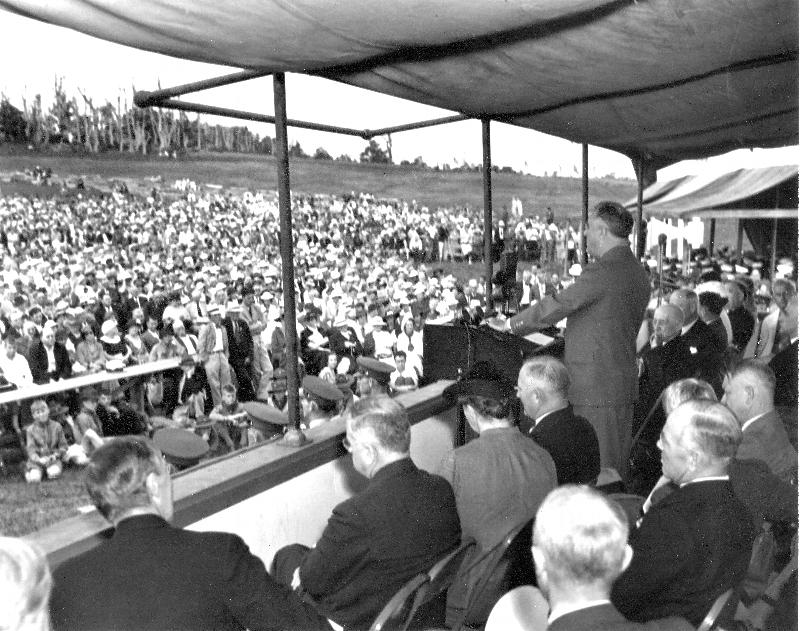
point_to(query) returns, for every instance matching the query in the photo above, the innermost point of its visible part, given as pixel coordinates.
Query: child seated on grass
(230, 417)
(45, 445)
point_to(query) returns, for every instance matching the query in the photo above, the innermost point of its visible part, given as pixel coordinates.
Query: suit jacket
(37, 358)
(129, 304)
(604, 310)
(207, 339)
(240, 343)
(766, 439)
(499, 480)
(607, 618)
(742, 324)
(784, 365)
(707, 360)
(397, 527)
(690, 547)
(661, 366)
(572, 443)
(152, 576)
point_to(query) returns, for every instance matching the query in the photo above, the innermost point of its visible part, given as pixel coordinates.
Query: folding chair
(431, 609)
(510, 565)
(398, 612)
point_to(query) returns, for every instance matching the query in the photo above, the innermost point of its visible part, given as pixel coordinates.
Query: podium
(450, 350)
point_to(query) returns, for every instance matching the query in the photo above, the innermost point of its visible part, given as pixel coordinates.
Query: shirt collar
(710, 478)
(562, 610)
(753, 420)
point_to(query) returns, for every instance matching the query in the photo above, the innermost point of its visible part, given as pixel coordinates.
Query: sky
(105, 71)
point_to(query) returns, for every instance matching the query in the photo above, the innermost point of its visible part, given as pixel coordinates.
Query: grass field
(319, 176)
(248, 172)
(29, 507)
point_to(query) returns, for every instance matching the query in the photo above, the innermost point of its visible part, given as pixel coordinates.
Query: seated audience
(695, 543)
(750, 393)
(152, 576)
(25, 583)
(374, 542)
(579, 549)
(706, 356)
(499, 479)
(549, 420)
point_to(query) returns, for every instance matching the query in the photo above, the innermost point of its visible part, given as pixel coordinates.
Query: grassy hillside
(317, 176)
(236, 171)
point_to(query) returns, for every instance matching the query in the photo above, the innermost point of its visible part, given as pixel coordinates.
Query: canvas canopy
(765, 192)
(658, 80)
(763, 200)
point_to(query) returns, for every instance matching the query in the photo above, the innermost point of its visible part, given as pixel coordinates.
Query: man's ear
(750, 393)
(539, 561)
(626, 558)
(151, 483)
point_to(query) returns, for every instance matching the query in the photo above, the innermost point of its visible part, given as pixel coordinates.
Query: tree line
(79, 122)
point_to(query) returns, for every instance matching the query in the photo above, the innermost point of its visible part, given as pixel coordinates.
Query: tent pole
(739, 237)
(487, 208)
(585, 204)
(774, 261)
(638, 244)
(294, 437)
(712, 228)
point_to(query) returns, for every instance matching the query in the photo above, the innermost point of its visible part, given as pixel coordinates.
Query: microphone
(662, 241)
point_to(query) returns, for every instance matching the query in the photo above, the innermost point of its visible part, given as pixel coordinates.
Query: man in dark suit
(707, 361)
(397, 527)
(742, 321)
(549, 420)
(665, 360)
(576, 566)
(152, 576)
(240, 350)
(134, 300)
(49, 360)
(750, 394)
(695, 543)
(604, 310)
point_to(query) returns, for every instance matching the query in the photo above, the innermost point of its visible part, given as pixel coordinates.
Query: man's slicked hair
(116, 474)
(760, 375)
(386, 418)
(582, 535)
(713, 429)
(548, 372)
(683, 390)
(614, 215)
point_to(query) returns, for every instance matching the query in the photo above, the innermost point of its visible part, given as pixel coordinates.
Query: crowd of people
(716, 383)
(90, 283)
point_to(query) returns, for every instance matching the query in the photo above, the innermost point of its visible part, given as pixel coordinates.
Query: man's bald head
(667, 321)
(686, 301)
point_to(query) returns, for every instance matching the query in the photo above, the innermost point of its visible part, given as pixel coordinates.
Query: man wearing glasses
(398, 526)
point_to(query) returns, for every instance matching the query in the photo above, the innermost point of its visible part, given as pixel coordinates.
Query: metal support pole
(585, 206)
(774, 261)
(487, 208)
(739, 237)
(712, 229)
(295, 436)
(638, 244)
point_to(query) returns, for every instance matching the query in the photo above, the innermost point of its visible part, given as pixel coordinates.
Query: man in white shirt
(14, 366)
(404, 378)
